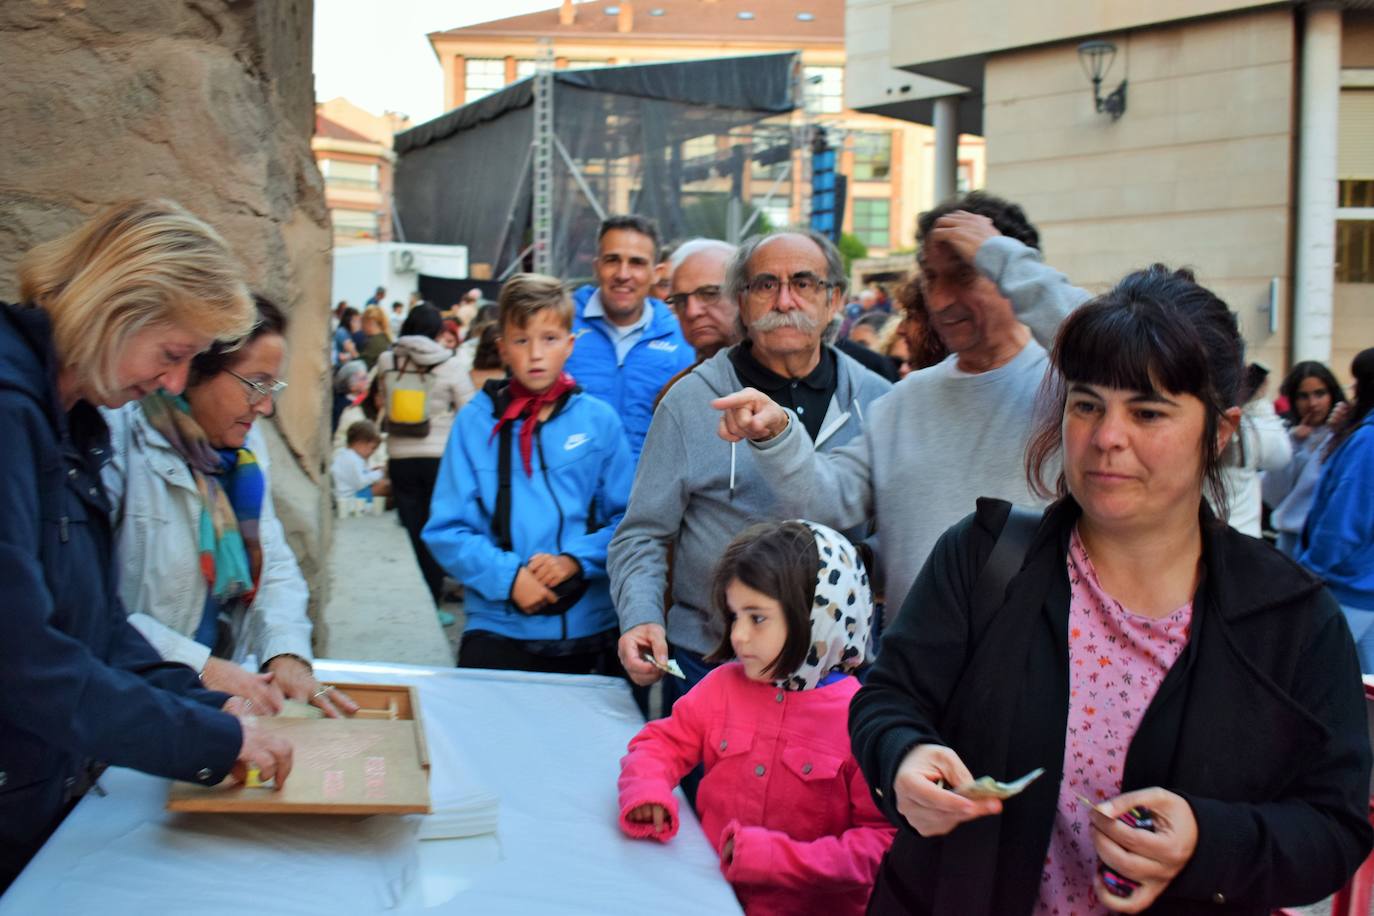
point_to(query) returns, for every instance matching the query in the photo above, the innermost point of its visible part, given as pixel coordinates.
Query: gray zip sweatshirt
(941, 439)
(682, 496)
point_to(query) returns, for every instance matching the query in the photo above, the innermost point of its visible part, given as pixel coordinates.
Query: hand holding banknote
(929, 807)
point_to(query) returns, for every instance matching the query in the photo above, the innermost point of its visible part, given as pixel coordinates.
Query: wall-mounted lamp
(1096, 58)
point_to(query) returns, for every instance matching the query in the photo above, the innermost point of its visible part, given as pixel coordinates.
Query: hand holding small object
(552, 570)
(668, 667)
(930, 809)
(646, 639)
(528, 593)
(1145, 837)
(650, 813)
(749, 414)
(264, 755)
(297, 682)
(987, 787)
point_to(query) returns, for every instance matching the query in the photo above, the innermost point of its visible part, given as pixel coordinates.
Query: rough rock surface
(211, 103)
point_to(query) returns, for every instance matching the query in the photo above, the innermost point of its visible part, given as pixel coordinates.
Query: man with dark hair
(952, 432)
(628, 344)
(693, 492)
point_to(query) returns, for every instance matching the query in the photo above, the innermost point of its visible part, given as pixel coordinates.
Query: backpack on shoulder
(408, 390)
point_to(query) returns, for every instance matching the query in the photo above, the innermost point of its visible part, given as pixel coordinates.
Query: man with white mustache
(696, 492)
(952, 432)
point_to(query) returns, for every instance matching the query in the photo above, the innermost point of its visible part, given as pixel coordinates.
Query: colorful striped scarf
(231, 487)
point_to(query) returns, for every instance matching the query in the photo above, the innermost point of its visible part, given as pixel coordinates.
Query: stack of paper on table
(461, 804)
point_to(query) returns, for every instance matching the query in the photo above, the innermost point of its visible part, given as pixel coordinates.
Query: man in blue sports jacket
(628, 344)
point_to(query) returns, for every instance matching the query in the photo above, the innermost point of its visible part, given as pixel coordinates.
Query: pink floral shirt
(1117, 660)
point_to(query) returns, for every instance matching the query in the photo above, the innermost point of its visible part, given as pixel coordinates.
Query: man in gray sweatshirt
(695, 492)
(950, 433)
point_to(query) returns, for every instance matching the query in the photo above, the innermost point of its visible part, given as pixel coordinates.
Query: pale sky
(374, 52)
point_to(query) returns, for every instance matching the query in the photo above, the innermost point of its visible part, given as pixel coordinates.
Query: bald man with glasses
(696, 294)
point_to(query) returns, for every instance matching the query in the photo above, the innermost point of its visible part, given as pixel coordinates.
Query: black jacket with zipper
(1260, 726)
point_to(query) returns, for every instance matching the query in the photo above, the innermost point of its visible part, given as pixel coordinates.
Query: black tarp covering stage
(465, 178)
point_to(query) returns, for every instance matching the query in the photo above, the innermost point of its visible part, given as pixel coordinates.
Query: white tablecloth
(548, 745)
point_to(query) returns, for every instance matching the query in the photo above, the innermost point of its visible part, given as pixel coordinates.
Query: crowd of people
(881, 545)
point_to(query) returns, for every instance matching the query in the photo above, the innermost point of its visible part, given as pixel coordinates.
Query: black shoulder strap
(500, 522)
(1008, 553)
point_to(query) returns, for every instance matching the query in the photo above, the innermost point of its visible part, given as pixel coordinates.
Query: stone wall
(208, 102)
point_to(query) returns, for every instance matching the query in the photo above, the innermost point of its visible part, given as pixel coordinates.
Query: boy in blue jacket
(534, 480)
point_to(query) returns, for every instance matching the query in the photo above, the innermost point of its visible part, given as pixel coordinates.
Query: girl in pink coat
(782, 800)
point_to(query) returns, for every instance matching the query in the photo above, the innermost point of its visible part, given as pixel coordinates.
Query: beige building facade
(1245, 151)
(353, 149)
(887, 161)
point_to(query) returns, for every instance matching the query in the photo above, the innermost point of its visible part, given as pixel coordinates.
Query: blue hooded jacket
(570, 505)
(659, 354)
(79, 682)
(1338, 543)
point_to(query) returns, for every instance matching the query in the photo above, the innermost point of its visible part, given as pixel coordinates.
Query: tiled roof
(336, 131)
(766, 20)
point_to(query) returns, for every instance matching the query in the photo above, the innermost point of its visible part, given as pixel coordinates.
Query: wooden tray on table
(373, 763)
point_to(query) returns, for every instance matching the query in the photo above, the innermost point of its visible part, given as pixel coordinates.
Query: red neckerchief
(528, 404)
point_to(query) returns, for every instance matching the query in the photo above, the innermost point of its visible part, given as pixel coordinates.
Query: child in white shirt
(352, 477)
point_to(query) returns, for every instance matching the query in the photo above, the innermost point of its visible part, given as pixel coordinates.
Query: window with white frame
(482, 76)
(340, 173)
(524, 68)
(872, 221)
(1355, 231)
(1355, 188)
(963, 176)
(872, 156)
(824, 89)
(356, 223)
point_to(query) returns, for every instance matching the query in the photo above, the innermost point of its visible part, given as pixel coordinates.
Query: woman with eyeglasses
(205, 570)
(112, 310)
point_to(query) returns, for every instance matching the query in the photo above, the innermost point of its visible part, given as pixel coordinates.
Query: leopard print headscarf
(841, 612)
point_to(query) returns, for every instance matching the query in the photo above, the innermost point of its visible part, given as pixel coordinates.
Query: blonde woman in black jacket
(1145, 655)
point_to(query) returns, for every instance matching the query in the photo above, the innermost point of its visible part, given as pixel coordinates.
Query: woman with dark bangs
(1338, 542)
(1312, 393)
(1198, 690)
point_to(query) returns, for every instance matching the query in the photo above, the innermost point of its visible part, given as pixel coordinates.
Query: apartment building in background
(887, 161)
(352, 148)
(1241, 142)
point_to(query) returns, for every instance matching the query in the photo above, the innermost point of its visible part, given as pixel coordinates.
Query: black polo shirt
(808, 397)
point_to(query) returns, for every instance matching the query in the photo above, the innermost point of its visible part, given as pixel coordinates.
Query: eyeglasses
(709, 295)
(257, 391)
(767, 288)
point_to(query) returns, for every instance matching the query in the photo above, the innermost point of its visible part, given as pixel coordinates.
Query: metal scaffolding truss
(529, 171)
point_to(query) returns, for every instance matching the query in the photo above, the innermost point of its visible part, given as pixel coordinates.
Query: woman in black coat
(112, 311)
(1145, 655)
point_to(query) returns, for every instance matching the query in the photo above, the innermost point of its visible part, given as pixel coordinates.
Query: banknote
(987, 787)
(669, 667)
